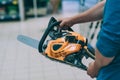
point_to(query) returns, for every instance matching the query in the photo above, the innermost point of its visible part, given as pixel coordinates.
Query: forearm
(101, 61)
(93, 14)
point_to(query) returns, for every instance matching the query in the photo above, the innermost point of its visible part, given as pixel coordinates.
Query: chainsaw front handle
(52, 23)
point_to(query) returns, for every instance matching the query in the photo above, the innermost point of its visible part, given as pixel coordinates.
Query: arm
(100, 61)
(93, 14)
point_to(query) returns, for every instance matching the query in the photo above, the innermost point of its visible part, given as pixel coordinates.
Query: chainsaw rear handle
(52, 23)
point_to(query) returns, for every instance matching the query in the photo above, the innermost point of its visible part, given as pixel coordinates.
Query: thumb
(62, 23)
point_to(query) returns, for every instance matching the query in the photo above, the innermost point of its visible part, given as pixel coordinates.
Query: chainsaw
(65, 46)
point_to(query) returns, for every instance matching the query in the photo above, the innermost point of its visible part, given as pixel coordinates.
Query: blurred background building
(30, 17)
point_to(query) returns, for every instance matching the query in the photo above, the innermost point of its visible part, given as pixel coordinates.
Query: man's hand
(92, 72)
(66, 22)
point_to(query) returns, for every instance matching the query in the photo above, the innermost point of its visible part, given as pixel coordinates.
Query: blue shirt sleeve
(109, 38)
(107, 47)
